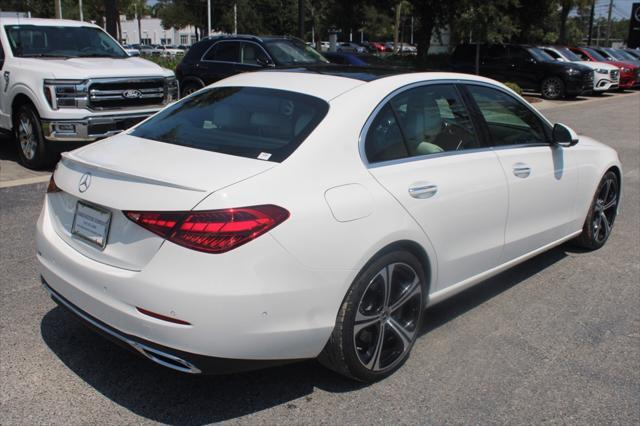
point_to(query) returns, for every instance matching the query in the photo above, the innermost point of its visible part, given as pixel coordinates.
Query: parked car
(131, 51)
(403, 48)
(361, 60)
(69, 81)
(215, 58)
(169, 51)
(605, 76)
(146, 50)
(377, 46)
(350, 47)
(617, 55)
(633, 52)
(629, 73)
(528, 66)
(326, 219)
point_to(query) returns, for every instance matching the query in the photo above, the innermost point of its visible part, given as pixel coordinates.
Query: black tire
(190, 87)
(602, 214)
(552, 88)
(33, 150)
(366, 355)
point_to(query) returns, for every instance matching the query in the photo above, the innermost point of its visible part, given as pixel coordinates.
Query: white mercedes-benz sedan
(280, 216)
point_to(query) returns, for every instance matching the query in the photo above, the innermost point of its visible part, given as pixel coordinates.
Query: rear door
(542, 177)
(220, 61)
(494, 63)
(424, 149)
(523, 68)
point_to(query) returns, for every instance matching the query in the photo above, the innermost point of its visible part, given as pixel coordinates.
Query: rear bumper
(91, 128)
(184, 362)
(253, 308)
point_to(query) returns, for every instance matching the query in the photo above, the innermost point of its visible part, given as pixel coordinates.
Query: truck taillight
(211, 231)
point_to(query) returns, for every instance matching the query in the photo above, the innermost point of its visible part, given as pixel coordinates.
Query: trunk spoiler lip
(73, 158)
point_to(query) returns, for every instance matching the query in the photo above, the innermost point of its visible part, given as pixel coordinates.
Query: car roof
(328, 86)
(45, 22)
(352, 72)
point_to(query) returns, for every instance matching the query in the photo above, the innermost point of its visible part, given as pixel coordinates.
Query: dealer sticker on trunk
(91, 224)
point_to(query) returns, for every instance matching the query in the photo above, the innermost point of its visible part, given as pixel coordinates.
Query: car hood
(83, 68)
(597, 65)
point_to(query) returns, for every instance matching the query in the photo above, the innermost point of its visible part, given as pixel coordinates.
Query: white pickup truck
(67, 82)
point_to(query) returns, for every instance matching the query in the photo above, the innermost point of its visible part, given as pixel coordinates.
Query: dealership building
(153, 33)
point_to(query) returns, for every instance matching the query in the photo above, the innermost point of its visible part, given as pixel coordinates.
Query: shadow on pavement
(162, 395)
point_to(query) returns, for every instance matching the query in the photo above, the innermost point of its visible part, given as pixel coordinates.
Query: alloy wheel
(27, 137)
(387, 318)
(552, 89)
(604, 210)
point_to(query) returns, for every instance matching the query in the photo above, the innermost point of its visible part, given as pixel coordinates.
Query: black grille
(126, 93)
(104, 128)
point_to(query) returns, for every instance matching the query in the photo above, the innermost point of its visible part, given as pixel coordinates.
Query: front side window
(265, 124)
(425, 120)
(28, 41)
(252, 54)
(294, 52)
(509, 121)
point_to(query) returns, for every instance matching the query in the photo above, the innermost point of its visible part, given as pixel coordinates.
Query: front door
(424, 149)
(542, 177)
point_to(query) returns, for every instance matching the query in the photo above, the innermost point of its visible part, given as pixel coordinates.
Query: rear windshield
(266, 124)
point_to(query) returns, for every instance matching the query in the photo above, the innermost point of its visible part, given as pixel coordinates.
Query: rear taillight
(212, 231)
(52, 185)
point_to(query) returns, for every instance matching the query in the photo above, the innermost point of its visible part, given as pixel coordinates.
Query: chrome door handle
(521, 170)
(423, 190)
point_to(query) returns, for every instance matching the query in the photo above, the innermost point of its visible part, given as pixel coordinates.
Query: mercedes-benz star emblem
(85, 182)
(132, 94)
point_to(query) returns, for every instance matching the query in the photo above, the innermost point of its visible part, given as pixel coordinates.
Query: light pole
(80, 6)
(208, 18)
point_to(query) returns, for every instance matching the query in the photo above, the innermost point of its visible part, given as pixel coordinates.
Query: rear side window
(228, 51)
(424, 120)
(266, 124)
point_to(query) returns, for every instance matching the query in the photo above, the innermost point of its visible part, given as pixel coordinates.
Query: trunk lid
(130, 173)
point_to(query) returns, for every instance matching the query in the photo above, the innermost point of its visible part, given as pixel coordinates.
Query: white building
(153, 33)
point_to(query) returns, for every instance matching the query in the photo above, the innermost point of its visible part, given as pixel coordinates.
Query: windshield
(66, 42)
(594, 54)
(626, 55)
(294, 52)
(568, 54)
(265, 124)
(615, 54)
(540, 54)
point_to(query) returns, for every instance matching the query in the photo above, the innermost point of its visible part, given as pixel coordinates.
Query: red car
(379, 47)
(629, 73)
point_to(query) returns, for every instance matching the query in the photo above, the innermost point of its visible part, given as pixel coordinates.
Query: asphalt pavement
(554, 340)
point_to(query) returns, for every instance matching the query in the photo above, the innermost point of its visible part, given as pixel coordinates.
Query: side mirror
(264, 62)
(563, 135)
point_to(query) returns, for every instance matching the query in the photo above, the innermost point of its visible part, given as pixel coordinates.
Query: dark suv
(529, 67)
(215, 58)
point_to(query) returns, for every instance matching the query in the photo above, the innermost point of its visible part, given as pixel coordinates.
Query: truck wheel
(552, 88)
(190, 87)
(33, 151)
